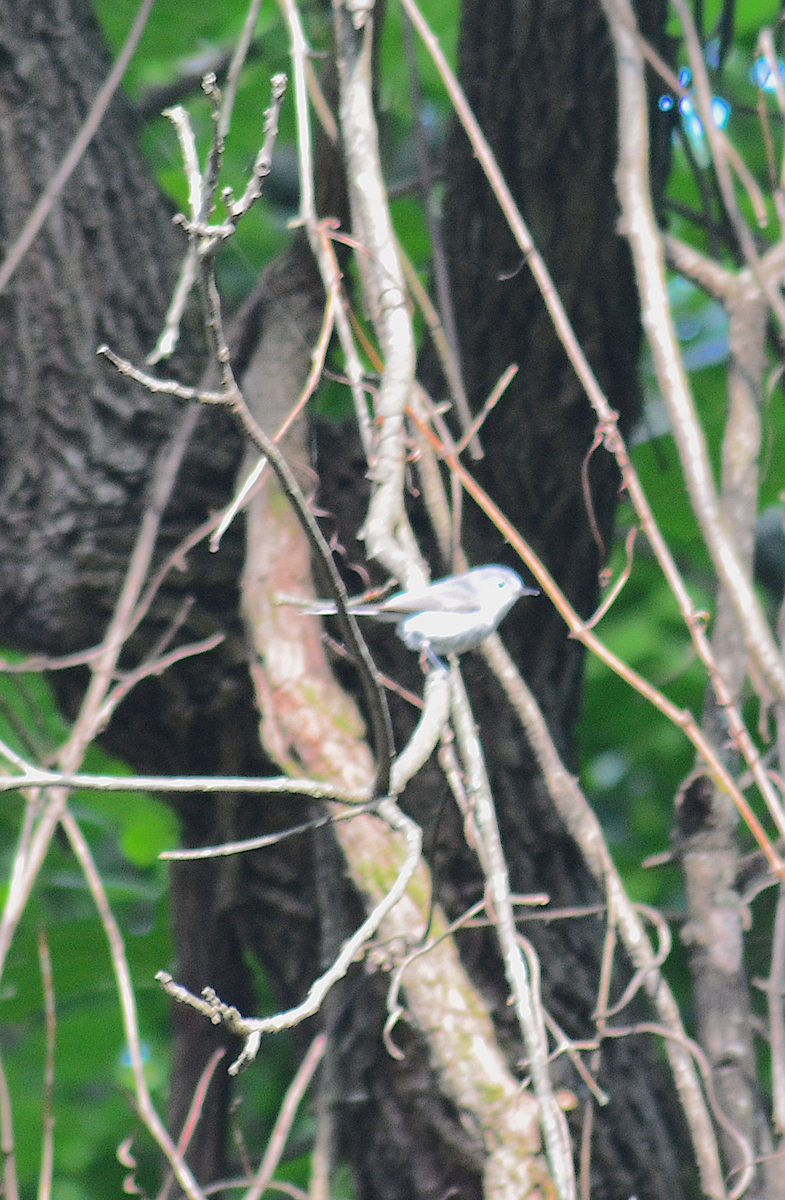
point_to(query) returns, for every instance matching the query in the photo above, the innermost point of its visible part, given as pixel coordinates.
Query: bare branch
(488, 407)
(451, 360)
(252, 1029)
(47, 1119)
(194, 1113)
(128, 1007)
(774, 997)
(527, 1001)
(426, 735)
(209, 784)
(318, 231)
(182, 123)
(694, 1049)
(585, 829)
(286, 1114)
(641, 228)
(10, 1184)
(386, 530)
(680, 717)
(236, 65)
(259, 843)
(170, 333)
(264, 159)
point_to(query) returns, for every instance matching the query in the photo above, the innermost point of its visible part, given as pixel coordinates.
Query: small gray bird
(449, 617)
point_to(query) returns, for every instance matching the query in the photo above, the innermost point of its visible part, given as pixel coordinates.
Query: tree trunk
(77, 445)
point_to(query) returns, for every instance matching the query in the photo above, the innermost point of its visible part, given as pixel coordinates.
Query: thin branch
(208, 784)
(161, 387)
(528, 1005)
(748, 1169)
(226, 849)
(264, 159)
(425, 738)
(194, 1113)
(275, 1185)
(452, 360)
(715, 280)
(386, 531)
(774, 996)
(181, 121)
(77, 148)
(584, 828)
(286, 1114)
(658, 322)
(439, 336)
(496, 394)
(395, 1009)
(615, 591)
(665, 943)
(125, 989)
(565, 1044)
(318, 357)
(212, 168)
(151, 667)
(36, 663)
(252, 1029)
(445, 517)
(237, 64)
(681, 717)
(47, 1119)
(170, 332)
(10, 1184)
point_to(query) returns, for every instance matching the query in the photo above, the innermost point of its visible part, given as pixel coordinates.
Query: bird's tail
(328, 608)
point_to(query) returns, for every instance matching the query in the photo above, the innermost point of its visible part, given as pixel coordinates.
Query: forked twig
(252, 1028)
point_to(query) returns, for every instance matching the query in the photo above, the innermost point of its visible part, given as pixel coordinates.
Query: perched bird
(450, 616)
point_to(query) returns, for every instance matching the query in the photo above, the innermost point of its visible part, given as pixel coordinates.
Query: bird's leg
(431, 661)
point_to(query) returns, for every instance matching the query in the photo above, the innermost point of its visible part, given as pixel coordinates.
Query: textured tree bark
(76, 446)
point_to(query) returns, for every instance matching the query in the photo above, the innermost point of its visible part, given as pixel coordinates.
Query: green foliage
(92, 1100)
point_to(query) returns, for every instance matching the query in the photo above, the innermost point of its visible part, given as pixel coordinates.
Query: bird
(451, 616)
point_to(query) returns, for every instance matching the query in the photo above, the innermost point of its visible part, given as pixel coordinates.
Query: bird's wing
(457, 594)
